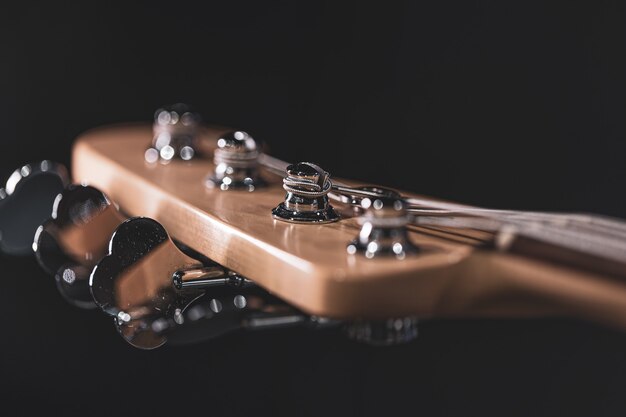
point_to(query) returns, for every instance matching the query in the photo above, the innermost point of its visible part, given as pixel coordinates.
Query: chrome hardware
(70, 243)
(146, 279)
(134, 282)
(236, 163)
(156, 293)
(383, 229)
(225, 309)
(26, 201)
(207, 277)
(174, 133)
(383, 332)
(307, 186)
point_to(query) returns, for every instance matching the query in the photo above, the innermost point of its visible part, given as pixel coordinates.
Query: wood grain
(308, 266)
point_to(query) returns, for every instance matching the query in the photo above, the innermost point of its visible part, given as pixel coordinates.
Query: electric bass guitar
(182, 232)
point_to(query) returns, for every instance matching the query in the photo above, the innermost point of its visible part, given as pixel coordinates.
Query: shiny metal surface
(134, 283)
(156, 293)
(175, 129)
(383, 229)
(225, 309)
(307, 186)
(75, 238)
(26, 201)
(236, 161)
(207, 277)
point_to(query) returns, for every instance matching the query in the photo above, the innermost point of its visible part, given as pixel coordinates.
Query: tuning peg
(75, 238)
(135, 284)
(174, 134)
(236, 163)
(26, 201)
(383, 229)
(307, 186)
(155, 292)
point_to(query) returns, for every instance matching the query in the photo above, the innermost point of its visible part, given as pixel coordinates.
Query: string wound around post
(307, 186)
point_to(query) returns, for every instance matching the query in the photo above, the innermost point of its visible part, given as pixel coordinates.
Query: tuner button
(307, 186)
(236, 163)
(383, 229)
(75, 238)
(26, 201)
(174, 134)
(383, 332)
(135, 284)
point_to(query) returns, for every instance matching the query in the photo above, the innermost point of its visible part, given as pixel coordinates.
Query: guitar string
(600, 235)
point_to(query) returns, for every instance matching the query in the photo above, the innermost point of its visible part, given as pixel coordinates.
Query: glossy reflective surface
(76, 237)
(227, 308)
(236, 163)
(383, 229)
(134, 283)
(307, 186)
(26, 201)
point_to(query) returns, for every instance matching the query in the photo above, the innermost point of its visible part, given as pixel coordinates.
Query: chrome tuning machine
(75, 238)
(236, 163)
(25, 202)
(383, 228)
(156, 293)
(307, 186)
(175, 129)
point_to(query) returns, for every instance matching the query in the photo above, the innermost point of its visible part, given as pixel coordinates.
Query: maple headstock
(182, 231)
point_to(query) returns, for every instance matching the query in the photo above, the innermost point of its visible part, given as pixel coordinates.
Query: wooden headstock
(457, 272)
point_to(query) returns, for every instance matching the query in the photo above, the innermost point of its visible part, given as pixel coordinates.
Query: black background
(516, 105)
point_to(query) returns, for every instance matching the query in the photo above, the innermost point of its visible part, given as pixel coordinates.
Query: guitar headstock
(308, 257)
(172, 225)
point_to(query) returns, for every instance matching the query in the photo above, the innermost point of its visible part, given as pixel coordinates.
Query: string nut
(307, 186)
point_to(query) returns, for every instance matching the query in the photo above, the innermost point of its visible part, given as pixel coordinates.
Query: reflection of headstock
(292, 245)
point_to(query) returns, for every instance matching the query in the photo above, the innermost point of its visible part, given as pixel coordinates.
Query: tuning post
(383, 229)
(236, 163)
(225, 310)
(174, 130)
(307, 186)
(208, 277)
